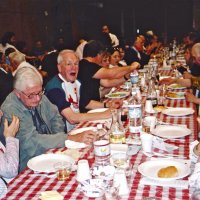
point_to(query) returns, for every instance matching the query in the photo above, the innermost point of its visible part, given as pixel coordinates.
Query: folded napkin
(74, 145)
(182, 184)
(160, 144)
(51, 195)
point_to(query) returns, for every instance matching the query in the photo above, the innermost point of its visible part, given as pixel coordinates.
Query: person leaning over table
(188, 81)
(64, 91)
(41, 125)
(92, 75)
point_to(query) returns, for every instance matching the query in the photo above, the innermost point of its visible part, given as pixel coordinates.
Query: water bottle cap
(99, 126)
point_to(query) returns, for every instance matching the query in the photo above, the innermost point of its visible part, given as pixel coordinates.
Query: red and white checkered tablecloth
(28, 186)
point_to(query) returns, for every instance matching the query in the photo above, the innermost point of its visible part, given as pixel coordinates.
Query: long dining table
(28, 185)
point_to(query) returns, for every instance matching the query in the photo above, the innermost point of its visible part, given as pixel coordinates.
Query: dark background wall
(73, 19)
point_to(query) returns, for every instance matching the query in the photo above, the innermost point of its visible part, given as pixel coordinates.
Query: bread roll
(168, 172)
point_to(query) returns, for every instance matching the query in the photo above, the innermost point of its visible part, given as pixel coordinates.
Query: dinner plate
(80, 130)
(167, 131)
(175, 87)
(116, 95)
(177, 112)
(45, 162)
(3, 189)
(150, 169)
(175, 95)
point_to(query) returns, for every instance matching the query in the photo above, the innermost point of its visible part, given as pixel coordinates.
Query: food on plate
(172, 94)
(168, 172)
(175, 86)
(175, 94)
(117, 95)
(159, 108)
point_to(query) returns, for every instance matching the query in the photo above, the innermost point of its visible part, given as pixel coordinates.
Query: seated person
(41, 125)
(194, 179)
(92, 75)
(9, 157)
(64, 91)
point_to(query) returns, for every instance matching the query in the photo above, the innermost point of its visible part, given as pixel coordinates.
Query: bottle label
(135, 112)
(134, 79)
(135, 129)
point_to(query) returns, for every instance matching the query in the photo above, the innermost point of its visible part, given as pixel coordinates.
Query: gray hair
(196, 50)
(27, 77)
(60, 55)
(17, 57)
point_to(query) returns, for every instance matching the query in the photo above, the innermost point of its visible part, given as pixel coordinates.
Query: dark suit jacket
(131, 56)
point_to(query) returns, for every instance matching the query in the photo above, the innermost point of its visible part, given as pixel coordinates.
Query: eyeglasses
(33, 95)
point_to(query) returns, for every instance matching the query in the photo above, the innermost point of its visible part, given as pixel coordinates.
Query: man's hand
(114, 104)
(87, 137)
(187, 75)
(190, 97)
(11, 130)
(167, 81)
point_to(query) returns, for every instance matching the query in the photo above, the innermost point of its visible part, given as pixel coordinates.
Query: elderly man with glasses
(41, 125)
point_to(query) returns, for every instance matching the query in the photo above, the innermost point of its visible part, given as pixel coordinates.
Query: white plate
(150, 169)
(178, 95)
(167, 131)
(80, 130)
(3, 189)
(175, 87)
(117, 95)
(45, 162)
(177, 112)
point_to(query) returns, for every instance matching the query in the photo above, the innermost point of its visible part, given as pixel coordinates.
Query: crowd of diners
(44, 93)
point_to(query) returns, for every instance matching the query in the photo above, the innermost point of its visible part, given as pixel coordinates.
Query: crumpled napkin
(51, 195)
(74, 145)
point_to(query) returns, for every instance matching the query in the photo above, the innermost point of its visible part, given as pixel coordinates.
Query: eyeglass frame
(34, 95)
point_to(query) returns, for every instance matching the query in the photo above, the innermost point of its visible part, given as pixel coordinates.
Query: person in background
(64, 91)
(105, 63)
(80, 47)
(41, 125)
(113, 37)
(135, 52)
(6, 79)
(115, 57)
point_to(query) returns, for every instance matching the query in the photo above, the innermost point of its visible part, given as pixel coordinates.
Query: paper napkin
(74, 145)
(160, 144)
(51, 195)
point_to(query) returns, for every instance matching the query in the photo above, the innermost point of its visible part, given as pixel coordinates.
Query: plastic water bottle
(135, 115)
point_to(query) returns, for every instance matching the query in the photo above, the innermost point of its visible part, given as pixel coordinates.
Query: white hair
(196, 50)
(27, 77)
(17, 57)
(61, 54)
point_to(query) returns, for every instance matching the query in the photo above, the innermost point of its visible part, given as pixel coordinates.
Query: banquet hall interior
(74, 19)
